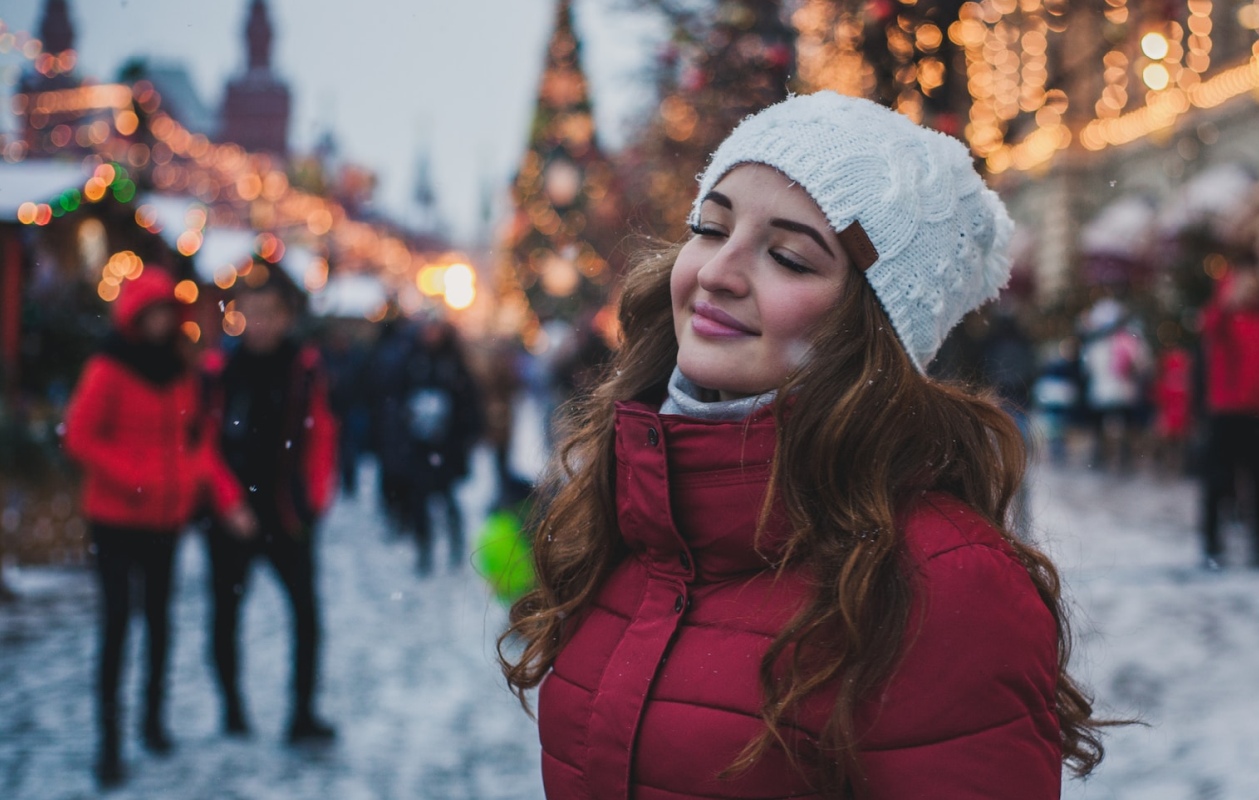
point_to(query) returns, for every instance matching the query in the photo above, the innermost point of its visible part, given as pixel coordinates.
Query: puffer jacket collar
(690, 492)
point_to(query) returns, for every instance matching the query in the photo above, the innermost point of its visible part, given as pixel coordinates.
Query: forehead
(759, 186)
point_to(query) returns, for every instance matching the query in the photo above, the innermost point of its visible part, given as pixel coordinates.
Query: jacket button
(653, 438)
(686, 561)
(679, 604)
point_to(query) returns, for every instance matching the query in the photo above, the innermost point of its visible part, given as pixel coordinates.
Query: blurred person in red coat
(774, 557)
(1230, 346)
(1172, 397)
(136, 425)
(277, 434)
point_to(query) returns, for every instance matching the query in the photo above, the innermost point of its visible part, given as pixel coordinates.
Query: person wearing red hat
(135, 426)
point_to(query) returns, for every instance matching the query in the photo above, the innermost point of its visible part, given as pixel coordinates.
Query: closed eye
(702, 230)
(791, 264)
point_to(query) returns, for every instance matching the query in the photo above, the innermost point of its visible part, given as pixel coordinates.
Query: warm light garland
(239, 188)
(1003, 39)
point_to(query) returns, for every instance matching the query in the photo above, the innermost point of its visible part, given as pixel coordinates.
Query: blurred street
(409, 678)
(422, 711)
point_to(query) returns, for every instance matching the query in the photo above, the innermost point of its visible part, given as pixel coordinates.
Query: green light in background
(124, 190)
(70, 200)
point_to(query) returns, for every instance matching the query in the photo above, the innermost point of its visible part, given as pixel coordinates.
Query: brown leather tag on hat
(858, 246)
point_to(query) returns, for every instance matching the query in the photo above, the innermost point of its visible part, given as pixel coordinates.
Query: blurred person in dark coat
(443, 421)
(278, 436)
(386, 379)
(346, 365)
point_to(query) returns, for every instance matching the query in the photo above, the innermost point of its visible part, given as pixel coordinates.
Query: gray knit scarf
(684, 400)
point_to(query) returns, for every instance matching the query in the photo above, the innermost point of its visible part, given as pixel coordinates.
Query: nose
(726, 271)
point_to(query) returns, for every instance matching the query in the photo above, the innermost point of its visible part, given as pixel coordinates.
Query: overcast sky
(389, 77)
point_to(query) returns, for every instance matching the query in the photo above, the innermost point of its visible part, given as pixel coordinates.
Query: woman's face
(760, 271)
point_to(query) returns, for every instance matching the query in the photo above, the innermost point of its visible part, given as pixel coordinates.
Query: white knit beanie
(939, 235)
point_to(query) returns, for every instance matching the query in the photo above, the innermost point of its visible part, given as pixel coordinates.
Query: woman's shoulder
(970, 580)
(938, 523)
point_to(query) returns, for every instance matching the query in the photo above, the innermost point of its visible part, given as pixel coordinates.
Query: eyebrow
(777, 222)
(720, 199)
(798, 227)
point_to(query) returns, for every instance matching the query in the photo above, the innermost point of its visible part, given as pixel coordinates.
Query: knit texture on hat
(942, 236)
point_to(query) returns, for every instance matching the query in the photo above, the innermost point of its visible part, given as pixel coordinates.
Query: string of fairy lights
(227, 187)
(1157, 66)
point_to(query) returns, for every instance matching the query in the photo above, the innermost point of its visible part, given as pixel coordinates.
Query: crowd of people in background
(1112, 396)
(253, 441)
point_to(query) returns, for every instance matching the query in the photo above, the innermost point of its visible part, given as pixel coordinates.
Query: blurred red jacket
(145, 445)
(657, 691)
(1231, 349)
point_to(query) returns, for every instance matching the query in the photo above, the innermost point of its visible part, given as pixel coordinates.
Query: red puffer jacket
(147, 450)
(1230, 339)
(657, 692)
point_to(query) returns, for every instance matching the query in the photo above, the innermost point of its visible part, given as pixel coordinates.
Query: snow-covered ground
(410, 676)
(1158, 638)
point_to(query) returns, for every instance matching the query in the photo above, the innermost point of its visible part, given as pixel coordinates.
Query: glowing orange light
(248, 187)
(188, 242)
(270, 247)
(234, 323)
(95, 188)
(26, 213)
(320, 221)
(195, 218)
(429, 280)
(225, 277)
(107, 291)
(134, 264)
(126, 122)
(146, 216)
(186, 292)
(192, 330)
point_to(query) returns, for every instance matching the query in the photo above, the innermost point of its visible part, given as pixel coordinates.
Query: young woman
(776, 561)
(135, 425)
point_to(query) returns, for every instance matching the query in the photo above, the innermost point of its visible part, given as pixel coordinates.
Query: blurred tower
(53, 70)
(56, 30)
(256, 108)
(427, 214)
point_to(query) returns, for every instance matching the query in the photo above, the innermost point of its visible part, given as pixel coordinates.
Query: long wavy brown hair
(899, 433)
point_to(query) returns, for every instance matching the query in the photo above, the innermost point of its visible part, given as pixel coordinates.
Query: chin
(709, 373)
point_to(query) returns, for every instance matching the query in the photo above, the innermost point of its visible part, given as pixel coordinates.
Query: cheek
(794, 317)
(682, 282)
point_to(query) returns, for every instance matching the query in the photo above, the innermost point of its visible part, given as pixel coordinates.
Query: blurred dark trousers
(1232, 443)
(120, 553)
(422, 520)
(292, 558)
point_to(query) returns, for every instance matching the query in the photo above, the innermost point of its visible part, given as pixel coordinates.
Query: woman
(135, 426)
(776, 560)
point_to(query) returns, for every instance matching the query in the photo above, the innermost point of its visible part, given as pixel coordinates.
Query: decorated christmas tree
(722, 64)
(567, 220)
(898, 53)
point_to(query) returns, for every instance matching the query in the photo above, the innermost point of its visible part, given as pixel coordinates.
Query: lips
(710, 321)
